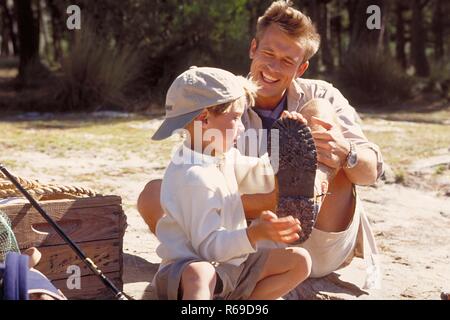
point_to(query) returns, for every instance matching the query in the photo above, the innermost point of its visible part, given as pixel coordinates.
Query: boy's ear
(202, 116)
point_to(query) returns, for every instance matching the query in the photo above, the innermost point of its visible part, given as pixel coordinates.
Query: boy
(206, 248)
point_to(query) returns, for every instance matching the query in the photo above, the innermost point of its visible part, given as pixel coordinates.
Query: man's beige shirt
(303, 90)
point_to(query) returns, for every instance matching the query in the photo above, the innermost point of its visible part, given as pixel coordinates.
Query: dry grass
(365, 74)
(96, 73)
(122, 146)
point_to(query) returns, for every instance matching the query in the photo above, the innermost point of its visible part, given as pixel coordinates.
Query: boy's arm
(201, 220)
(202, 209)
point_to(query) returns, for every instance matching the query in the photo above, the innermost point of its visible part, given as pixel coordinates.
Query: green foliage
(174, 34)
(369, 76)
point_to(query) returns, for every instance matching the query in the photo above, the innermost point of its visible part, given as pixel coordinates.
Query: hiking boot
(296, 174)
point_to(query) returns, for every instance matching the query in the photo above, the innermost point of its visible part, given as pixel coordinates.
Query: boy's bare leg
(284, 270)
(148, 204)
(198, 281)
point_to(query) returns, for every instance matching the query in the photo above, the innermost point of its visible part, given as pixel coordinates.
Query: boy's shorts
(233, 282)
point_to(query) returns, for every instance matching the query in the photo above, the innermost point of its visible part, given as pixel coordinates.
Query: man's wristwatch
(352, 157)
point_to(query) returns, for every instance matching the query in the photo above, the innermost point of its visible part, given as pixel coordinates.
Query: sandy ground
(411, 226)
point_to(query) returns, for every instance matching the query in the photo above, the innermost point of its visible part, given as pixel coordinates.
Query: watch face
(352, 160)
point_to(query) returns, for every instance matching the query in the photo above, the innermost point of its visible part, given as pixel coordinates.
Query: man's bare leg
(149, 205)
(337, 210)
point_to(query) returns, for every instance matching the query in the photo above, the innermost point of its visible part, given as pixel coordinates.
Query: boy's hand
(270, 227)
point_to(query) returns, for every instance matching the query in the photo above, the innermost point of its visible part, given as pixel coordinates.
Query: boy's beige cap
(192, 92)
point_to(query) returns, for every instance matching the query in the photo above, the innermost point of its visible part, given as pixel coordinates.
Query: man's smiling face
(276, 60)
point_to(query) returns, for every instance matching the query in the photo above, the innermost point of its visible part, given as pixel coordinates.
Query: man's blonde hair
(248, 100)
(293, 22)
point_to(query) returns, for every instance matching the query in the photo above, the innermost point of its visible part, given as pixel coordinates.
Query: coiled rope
(39, 190)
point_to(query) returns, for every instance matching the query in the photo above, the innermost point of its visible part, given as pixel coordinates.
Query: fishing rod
(119, 295)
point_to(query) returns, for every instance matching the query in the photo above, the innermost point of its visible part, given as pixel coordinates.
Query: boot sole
(296, 174)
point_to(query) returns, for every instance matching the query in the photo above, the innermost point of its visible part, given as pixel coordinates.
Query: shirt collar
(275, 113)
(189, 156)
(294, 95)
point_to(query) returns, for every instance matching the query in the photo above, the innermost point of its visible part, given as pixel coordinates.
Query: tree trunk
(28, 36)
(418, 40)
(400, 36)
(351, 11)
(362, 36)
(336, 31)
(256, 9)
(314, 63)
(4, 47)
(57, 25)
(322, 23)
(8, 25)
(438, 30)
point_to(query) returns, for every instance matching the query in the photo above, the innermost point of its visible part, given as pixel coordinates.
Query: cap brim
(170, 125)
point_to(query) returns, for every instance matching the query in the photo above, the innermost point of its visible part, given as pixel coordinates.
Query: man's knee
(148, 204)
(300, 260)
(319, 108)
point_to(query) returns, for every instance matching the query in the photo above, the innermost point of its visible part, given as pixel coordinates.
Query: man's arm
(365, 171)
(334, 145)
(333, 149)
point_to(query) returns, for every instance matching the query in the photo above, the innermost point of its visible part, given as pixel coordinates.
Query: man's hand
(294, 115)
(332, 147)
(270, 227)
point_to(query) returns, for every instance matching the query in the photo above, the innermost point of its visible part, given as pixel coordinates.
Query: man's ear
(253, 46)
(302, 69)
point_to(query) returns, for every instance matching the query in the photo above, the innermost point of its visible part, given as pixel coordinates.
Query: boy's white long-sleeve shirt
(201, 197)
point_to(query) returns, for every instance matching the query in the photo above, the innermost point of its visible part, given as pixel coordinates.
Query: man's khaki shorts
(233, 283)
(331, 251)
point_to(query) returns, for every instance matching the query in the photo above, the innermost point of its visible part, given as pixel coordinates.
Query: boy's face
(229, 124)
(276, 60)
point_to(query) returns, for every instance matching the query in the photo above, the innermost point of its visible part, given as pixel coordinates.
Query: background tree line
(128, 52)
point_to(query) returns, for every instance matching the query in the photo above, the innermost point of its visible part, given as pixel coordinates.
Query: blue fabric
(18, 279)
(268, 117)
(15, 282)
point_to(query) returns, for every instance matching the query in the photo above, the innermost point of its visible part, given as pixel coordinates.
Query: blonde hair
(250, 89)
(293, 22)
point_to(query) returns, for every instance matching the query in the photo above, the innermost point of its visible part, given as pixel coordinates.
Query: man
(285, 40)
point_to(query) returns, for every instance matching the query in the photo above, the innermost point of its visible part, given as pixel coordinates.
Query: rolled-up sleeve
(350, 123)
(254, 175)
